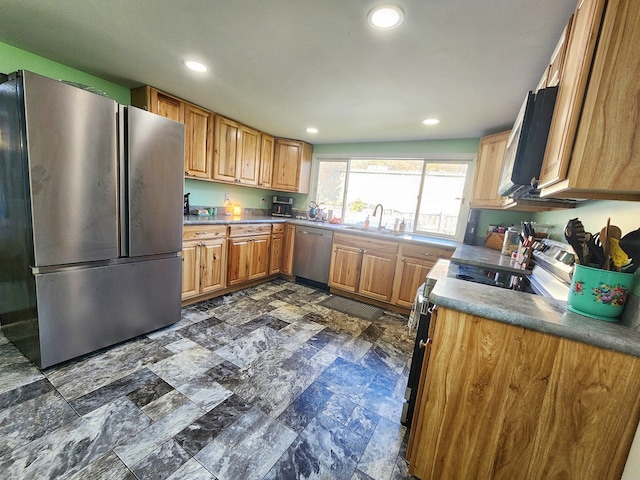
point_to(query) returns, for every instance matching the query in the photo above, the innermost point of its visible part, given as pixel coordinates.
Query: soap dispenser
(366, 222)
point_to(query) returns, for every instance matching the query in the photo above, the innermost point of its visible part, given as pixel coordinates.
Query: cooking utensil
(574, 234)
(596, 255)
(630, 243)
(618, 255)
(604, 240)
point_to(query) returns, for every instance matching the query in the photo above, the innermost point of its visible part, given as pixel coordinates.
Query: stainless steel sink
(374, 231)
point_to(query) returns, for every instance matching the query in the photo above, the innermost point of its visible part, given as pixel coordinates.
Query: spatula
(575, 235)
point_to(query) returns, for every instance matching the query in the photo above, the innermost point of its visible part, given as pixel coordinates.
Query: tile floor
(264, 383)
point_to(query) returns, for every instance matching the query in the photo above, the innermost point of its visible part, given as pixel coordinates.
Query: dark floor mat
(351, 307)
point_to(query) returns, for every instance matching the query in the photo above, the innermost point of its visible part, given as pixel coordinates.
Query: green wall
(593, 215)
(211, 194)
(12, 59)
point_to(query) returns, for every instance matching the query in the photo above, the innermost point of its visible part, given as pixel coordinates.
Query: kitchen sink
(374, 231)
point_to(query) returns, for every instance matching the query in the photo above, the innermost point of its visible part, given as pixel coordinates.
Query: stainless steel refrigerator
(90, 219)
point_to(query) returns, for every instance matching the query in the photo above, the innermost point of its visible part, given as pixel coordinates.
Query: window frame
(468, 158)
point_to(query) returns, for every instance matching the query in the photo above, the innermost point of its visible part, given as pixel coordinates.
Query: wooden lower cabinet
(288, 248)
(497, 401)
(203, 267)
(364, 266)
(414, 263)
(277, 243)
(248, 258)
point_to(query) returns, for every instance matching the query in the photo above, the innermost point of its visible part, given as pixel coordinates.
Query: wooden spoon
(604, 240)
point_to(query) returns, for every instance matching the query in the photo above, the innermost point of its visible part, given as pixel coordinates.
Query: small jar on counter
(511, 241)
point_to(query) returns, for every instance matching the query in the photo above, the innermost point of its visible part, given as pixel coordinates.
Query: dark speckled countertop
(532, 311)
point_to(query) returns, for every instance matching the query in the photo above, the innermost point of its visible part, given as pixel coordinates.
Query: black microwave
(527, 143)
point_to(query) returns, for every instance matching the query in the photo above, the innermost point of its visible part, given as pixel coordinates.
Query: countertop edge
(533, 312)
(346, 229)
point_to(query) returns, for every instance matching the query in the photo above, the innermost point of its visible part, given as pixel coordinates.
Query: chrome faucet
(375, 211)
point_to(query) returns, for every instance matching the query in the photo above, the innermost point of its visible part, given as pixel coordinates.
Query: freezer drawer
(83, 310)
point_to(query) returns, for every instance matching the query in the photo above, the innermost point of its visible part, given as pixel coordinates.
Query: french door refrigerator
(90, 219)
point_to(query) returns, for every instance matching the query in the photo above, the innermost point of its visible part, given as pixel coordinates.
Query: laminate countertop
(533, 312)
(350, 229)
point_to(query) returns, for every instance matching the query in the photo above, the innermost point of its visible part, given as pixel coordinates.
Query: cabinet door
(488, 171)
(376, 276)
(288, 248)
(345, 267)
(190, 270)
(266, 160)
(286, 165)
(198, 141)
(238, 257)
(212, 263)
(409, 276)
(606, 152)
(248, 160)
(277, 244)
(573, 81)
(259, 257)
(226, 150)
(166, 106)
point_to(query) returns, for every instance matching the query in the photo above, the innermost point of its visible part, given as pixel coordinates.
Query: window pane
(441, 198)
(331, 178)
(391, 182)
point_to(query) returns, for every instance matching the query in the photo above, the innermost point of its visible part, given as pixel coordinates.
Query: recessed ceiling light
(385, 17)
(431, 121)
(312, 130)
(195, 66)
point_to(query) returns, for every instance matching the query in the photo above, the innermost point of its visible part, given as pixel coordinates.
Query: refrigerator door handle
(123, 217)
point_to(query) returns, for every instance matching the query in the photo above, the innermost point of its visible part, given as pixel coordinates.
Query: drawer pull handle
(427, 254)
(423, 344)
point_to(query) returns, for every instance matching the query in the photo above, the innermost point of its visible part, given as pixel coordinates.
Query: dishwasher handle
(309, 232)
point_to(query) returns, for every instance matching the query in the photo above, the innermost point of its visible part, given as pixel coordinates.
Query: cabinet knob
(423, 344)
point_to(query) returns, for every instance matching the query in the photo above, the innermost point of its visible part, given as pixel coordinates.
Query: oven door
(422, 309)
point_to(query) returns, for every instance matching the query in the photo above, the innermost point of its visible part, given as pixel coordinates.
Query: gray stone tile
(164, 405)
(379, 458)
(191, 470)
(75, 445)
(107, 467)
(324, 449)
(161, 463)
(145, 442)
(248, 448)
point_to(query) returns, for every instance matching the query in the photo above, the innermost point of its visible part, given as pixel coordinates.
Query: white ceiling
(283, 65)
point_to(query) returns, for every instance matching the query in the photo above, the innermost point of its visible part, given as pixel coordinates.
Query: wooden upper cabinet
(267, 148)
(605, 161)
(236, 153)
(291, 166)
(198, 127)
(249, 155)
(225, 150)
(199, 138)
(557, 57)
(572, 84)
(488, 171)
(167, 106)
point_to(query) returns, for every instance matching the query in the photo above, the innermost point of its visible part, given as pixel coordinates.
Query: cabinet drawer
(203, 232)
(249, 229)
(277, 228)
(429, 253)
(364, 243)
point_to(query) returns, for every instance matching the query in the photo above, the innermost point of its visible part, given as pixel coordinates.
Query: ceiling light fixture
(312, 130)
(195, 66)
(385, 17)
(431, 121)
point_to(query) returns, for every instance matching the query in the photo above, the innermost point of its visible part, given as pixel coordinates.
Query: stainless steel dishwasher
(312, 254)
